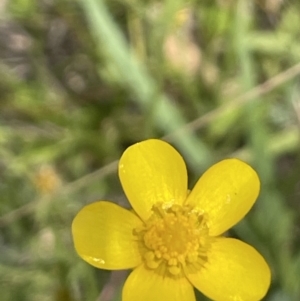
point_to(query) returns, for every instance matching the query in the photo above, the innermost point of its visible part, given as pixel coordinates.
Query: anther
(174, 238)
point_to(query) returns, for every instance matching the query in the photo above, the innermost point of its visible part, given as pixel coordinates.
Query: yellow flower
(172, 238)
(47, 180)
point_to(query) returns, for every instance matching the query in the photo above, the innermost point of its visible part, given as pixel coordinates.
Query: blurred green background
(83, 80)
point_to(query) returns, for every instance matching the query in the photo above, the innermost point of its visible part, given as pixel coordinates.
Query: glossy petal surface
(226, 192)
(102, 234)
(234, 272)
(146, 285)
(152, 171)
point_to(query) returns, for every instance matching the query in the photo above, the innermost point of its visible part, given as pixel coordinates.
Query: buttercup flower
(172, 240)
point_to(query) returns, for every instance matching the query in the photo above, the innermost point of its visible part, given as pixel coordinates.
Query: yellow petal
(226, 192)
(102, 234)
(152, 171)
(234, 272)
(147, 285)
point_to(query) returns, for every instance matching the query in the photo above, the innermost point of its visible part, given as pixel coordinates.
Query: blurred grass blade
(166, 116)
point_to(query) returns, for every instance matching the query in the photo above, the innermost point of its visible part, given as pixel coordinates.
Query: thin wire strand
(257, 91)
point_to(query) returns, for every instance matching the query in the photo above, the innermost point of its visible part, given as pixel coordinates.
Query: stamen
(173, 239)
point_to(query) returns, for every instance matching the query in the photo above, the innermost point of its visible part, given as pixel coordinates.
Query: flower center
(174, 239)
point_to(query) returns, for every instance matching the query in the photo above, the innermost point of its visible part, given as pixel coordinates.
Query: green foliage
(82, 80)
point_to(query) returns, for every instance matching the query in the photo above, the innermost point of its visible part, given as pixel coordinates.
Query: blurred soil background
(83, 80)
